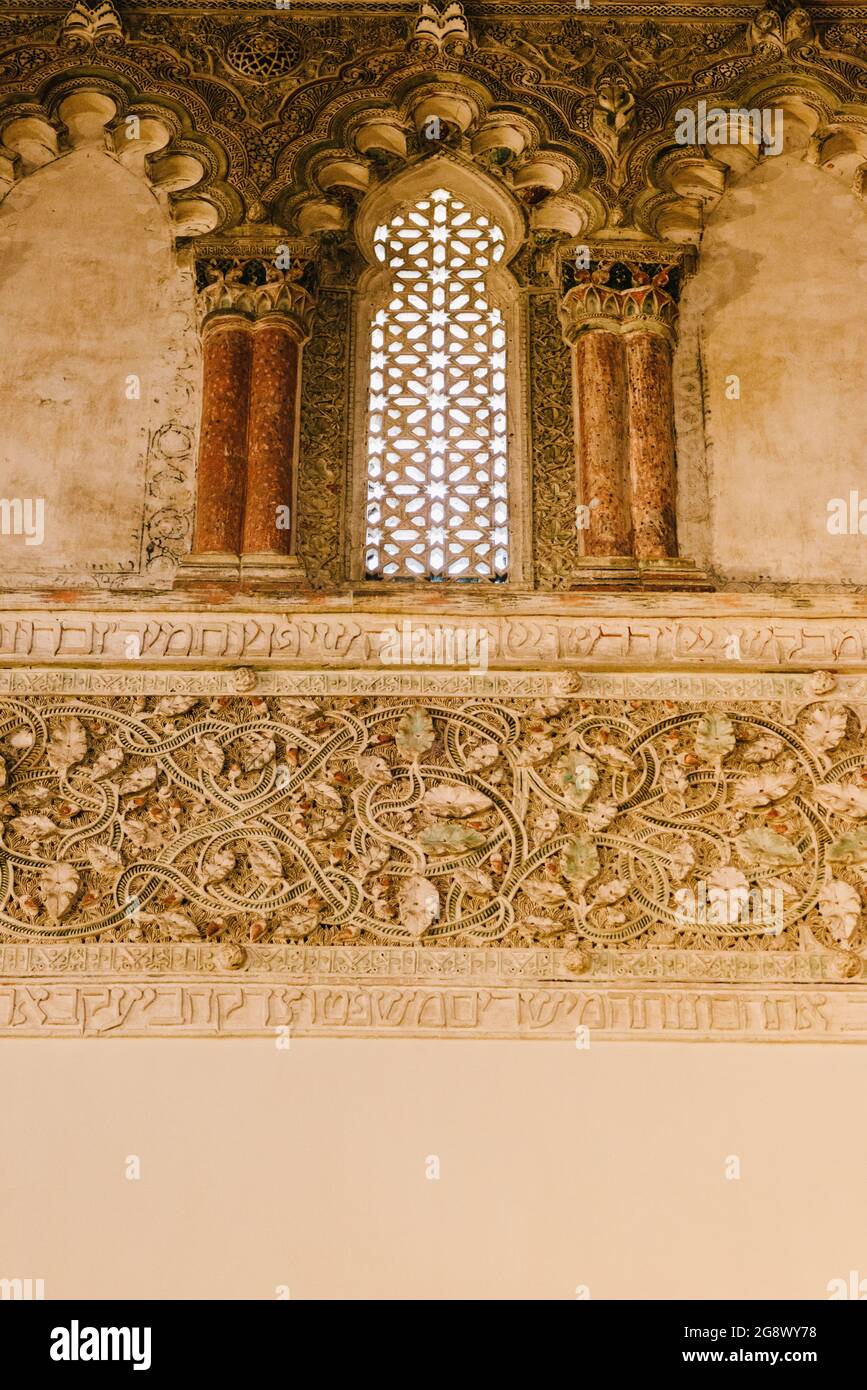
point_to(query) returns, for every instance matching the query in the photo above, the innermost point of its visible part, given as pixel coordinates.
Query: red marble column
(599, 378)
(272, 437)
(652, 463)
(227, 352)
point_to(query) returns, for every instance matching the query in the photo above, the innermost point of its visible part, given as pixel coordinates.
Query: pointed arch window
(437, 431)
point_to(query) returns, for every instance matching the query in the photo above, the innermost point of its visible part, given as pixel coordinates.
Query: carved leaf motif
(849, 849)
(682, 860)
(543, 926)
(482, 757)
(840, 908)
(374, 768)
(579, 862)
(846, 798)
(415, 733)
(22, 739)
(474, 881)
(293, 926)
(58, 886)
(544, 891)
(675, 780)
(265, 861)
(612, 892)
(323, 793)
(556, 704)
(104, 858)
(545, 825)
(32, 796)
(218, 865)
(2, 772)
(536, 751)
(616, 757)
(728, 894)
(143, 836)
(210, 756)
(455, 801)
(825, 727)
(175, 704)
(579, 776)
(418, 904)
(764, 846)
(179, 926)
(750, 792)
(109, 760)
(260, 752)
(449, 839)
(601, 813)
(374, 858)
(714, 737)
(34, 827)
(139, 780)
(68, 743)
(763, 749)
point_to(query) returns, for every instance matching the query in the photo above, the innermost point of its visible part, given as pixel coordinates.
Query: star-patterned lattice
(437, 494)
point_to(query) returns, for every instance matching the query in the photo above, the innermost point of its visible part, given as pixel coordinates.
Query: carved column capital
(277, 280)
(621, 289)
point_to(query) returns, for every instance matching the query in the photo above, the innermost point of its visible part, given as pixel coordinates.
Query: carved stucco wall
(775, 303)
(228, 814)
(92, 297)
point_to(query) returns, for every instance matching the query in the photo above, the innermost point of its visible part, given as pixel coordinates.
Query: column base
(606, 572)
(624, 573)
(213, 568)
(674, 572)
(267, 569)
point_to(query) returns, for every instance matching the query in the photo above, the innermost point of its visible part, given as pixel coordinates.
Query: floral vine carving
(322, 472)
(562, 821)
(554, 533)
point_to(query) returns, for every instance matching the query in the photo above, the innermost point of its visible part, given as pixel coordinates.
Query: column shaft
(272, 437)
(599, 376)
(651, 446)
(223, 441)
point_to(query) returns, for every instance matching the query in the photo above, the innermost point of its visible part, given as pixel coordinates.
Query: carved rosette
(256, 314)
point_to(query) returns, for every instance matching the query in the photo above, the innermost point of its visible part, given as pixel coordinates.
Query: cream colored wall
(91, 295)
(559, 1167)
(778, 302)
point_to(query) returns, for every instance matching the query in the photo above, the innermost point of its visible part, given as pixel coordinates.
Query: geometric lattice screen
(437, 450)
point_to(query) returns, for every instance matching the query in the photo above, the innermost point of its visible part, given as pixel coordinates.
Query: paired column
(256, 317)
(620, 317)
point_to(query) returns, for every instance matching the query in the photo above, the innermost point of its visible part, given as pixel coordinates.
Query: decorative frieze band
(575, 1015)
(588, 639)
(530, 864)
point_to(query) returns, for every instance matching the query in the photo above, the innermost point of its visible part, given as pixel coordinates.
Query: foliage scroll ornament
(564, 822)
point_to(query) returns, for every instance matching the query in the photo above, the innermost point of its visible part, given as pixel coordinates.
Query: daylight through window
(437, 498)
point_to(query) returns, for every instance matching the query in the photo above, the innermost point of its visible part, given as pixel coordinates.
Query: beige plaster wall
(559, 1167)
(89, 295)
(778, 302)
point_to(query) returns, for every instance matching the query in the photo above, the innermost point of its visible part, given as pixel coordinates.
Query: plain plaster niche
(90, 297)
(778, 302)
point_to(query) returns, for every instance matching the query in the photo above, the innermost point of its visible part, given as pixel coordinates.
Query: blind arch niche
(439, 450)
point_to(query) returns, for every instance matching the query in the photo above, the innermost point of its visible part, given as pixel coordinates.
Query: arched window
(437, 431)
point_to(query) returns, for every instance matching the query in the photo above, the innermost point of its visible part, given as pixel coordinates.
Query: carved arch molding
(235, 815)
